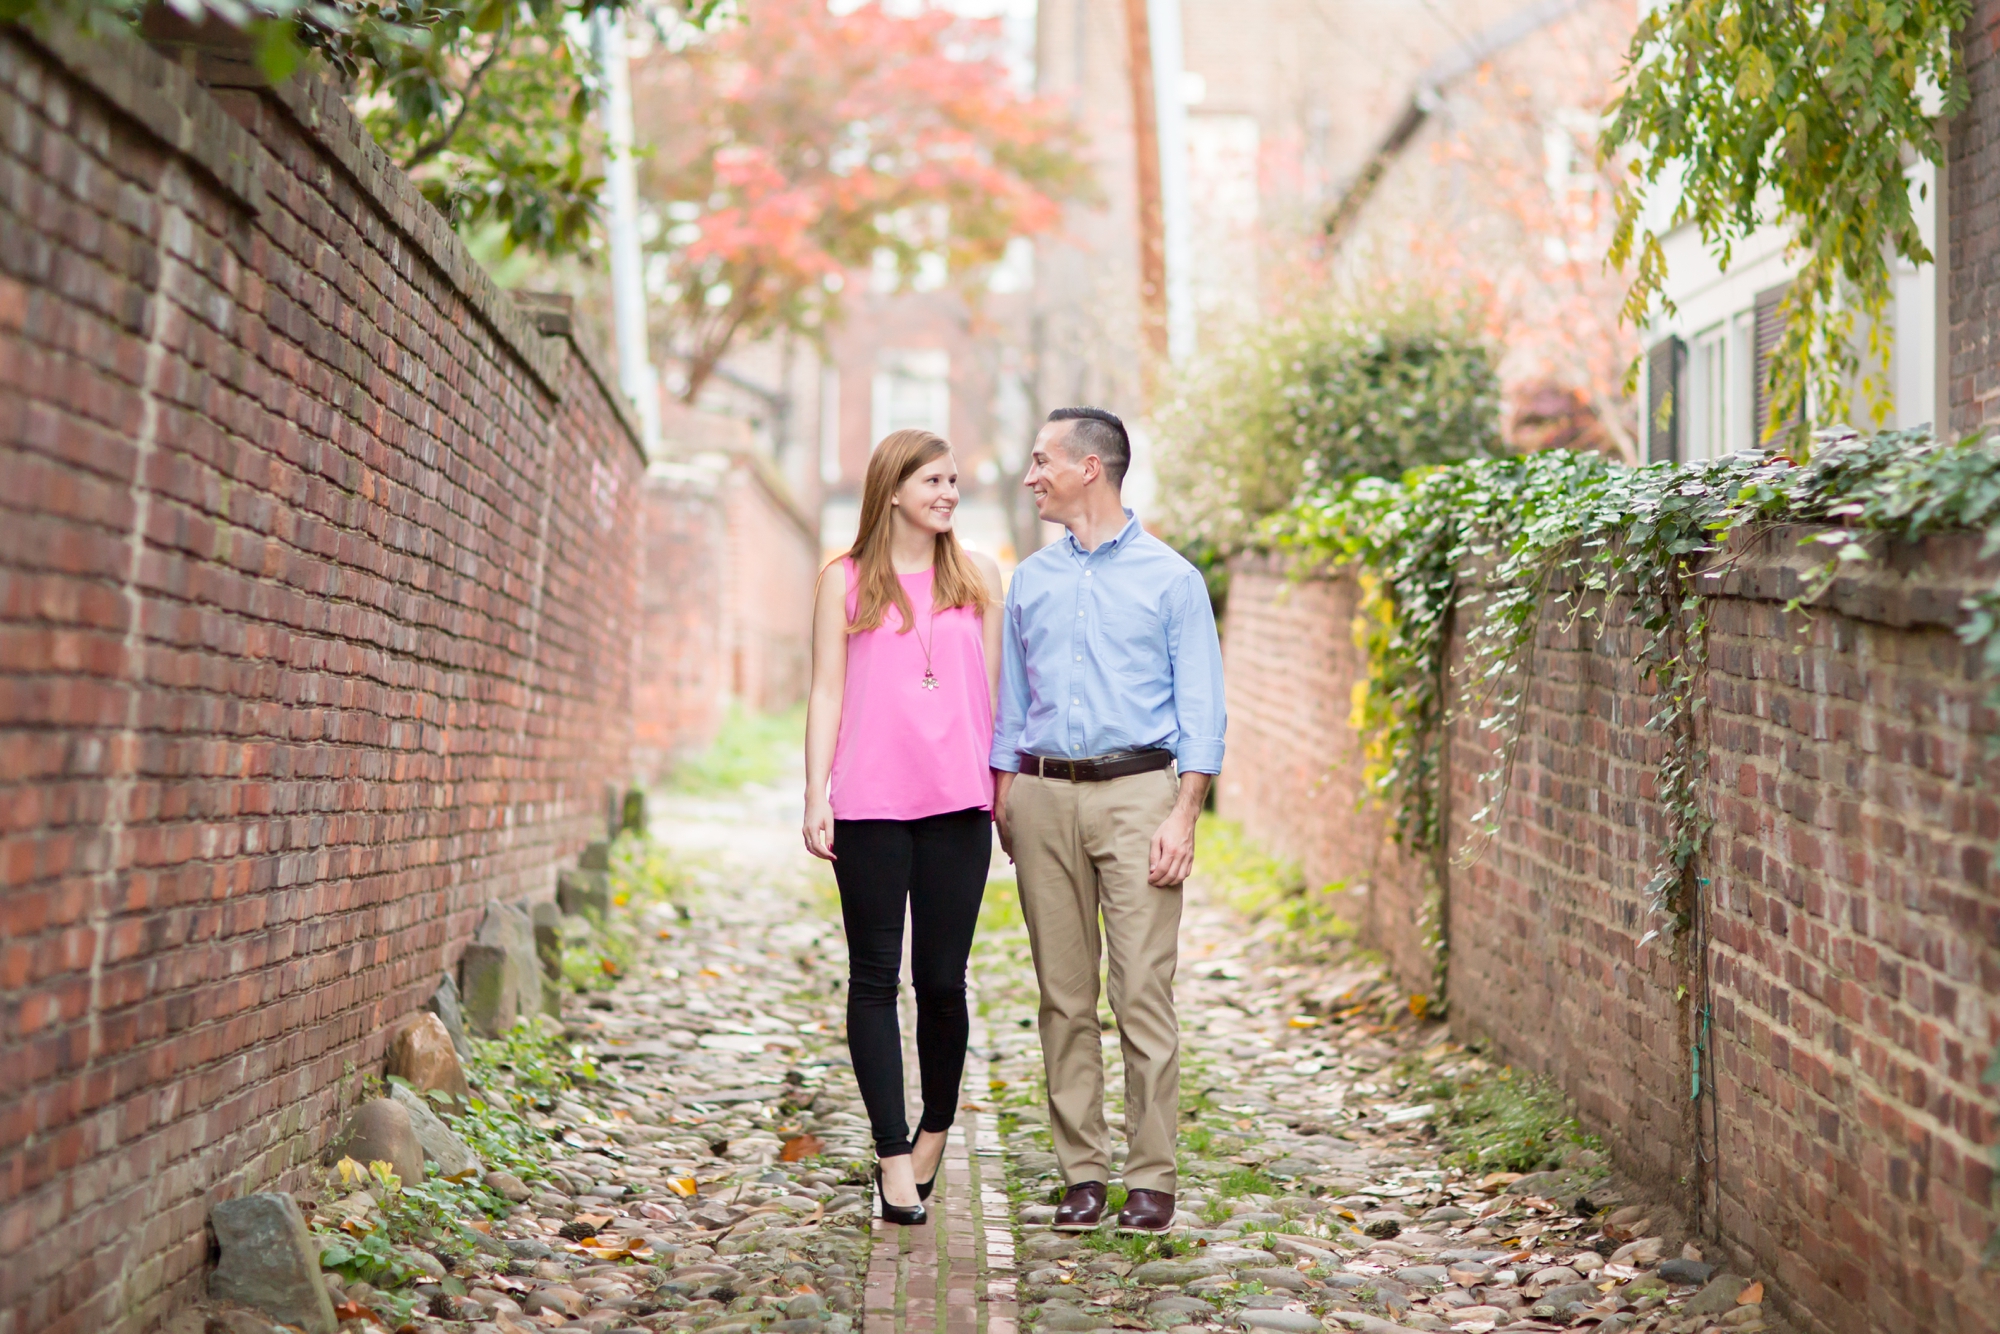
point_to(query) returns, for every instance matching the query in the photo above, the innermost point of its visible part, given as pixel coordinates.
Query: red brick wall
(727, 603)
(767, 604)
(681, 688)
(1854, 955)
(316, 612)
(1290, 668)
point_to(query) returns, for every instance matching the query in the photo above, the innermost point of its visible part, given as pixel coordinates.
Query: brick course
(1854, 940)
(316, 613)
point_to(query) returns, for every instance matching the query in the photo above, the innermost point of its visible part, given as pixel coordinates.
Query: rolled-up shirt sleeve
(1195, 651)
(1013, 692)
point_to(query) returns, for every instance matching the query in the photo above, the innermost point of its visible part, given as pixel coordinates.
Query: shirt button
(1076, 701)
(1079, 657)
(1086, 574)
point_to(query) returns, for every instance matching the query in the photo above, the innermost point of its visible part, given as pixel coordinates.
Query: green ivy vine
(1807, 117)
(1508, 543)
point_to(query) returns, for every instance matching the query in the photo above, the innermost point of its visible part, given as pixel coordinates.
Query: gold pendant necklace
(930, 681)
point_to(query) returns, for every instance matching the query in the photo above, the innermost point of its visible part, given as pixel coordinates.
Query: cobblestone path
(726, 1144)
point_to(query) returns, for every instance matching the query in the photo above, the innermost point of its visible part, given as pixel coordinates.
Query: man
(1110, 682)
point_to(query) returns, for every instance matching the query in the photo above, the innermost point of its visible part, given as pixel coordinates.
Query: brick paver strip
(965, 1285)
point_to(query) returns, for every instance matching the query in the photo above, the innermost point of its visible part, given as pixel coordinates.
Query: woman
(906, 663)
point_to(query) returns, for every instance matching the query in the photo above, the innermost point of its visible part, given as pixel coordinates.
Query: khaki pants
(1081, 850)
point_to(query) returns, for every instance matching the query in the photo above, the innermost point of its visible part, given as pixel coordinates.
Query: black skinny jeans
(937, 865)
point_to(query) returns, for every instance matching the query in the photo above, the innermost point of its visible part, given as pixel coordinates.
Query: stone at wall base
(269, 1262)
(380, 1130)
(441, 1145)
(586, 893)
(445, 1005)
(423, 1054)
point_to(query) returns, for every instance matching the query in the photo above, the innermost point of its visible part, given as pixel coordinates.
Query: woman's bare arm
(829, 679)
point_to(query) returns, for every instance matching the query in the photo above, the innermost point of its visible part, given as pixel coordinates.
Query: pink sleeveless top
(905, 751)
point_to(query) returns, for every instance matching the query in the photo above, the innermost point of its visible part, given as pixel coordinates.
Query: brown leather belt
(1098, 768)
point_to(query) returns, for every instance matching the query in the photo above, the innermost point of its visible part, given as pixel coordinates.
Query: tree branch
(438, 143)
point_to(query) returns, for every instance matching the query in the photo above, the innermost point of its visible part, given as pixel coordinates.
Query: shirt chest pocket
(1127, 639)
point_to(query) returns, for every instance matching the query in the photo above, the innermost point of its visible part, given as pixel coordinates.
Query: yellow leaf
(685, 1187)
(1751, 1295)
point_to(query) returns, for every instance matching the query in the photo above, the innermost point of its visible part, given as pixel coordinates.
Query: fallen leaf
(1303, 1021)
(685, 1187)
(479, 1225)
(1492, 1179)
(1751, 1295)
(595, 1220)
(352, 1311)
(801, 1147)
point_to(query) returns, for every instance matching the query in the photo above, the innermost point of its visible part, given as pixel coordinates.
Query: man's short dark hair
(1101, 433)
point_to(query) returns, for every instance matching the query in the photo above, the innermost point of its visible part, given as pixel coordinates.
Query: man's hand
(1172, 857)
(1173, 851)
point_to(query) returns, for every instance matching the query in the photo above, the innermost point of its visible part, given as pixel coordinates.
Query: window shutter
(1666, 415)
(1770, 327)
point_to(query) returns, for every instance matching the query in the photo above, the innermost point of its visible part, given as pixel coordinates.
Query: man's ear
(1093, 468)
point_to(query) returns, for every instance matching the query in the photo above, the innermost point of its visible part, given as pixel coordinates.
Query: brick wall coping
(1907, 584)
(554, 314)
(170, 101)
(162, 99)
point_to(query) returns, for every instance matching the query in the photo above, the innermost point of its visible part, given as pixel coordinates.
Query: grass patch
(1000, 910)
(1246, 1181)
(751, 748)
(1506, 1122)
(1261, 886)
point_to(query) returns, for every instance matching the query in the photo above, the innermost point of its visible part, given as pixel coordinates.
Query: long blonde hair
(955, 582)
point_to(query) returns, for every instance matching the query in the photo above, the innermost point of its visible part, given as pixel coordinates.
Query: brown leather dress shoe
(1082, 1207)
(1147, 1211)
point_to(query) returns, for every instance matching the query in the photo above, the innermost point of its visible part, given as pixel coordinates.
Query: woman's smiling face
(928, 497)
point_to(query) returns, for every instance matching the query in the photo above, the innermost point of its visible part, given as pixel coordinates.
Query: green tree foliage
(486, 103)
(1314, 401)
(1803, 116)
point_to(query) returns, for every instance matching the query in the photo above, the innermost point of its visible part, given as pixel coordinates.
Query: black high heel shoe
(909, 1215)
(924, 1187)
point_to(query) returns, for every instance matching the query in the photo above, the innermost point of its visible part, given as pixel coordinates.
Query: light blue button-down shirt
(1110, 650)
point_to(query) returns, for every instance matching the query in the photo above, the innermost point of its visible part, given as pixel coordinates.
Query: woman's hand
(819, 829)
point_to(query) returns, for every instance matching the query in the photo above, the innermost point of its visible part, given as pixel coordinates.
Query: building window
(1666, 412)
(1709, 399)
(912, 391)
(1769, 328)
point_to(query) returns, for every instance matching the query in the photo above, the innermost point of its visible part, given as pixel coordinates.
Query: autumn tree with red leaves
(789, 149)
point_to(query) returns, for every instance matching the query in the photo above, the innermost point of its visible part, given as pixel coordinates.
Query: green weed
(1261, 886)
(750, 748)
(1246, 1181)
(1504, 1122)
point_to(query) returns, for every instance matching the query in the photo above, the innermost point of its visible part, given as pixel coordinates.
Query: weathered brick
(1851, 954)
(365, 666)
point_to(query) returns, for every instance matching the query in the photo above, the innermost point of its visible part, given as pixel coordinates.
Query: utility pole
(628, 277)
(1146, 148)
(1175, 205)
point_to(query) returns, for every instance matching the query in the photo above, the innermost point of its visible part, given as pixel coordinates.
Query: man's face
(1054, 478)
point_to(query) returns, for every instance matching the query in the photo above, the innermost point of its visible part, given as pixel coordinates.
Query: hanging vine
(1807, 117)
(1508, 543)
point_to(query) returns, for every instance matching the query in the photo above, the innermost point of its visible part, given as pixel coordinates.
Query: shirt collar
(1130, 530)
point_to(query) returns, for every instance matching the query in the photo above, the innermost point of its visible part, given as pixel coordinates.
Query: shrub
(1315, 400)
